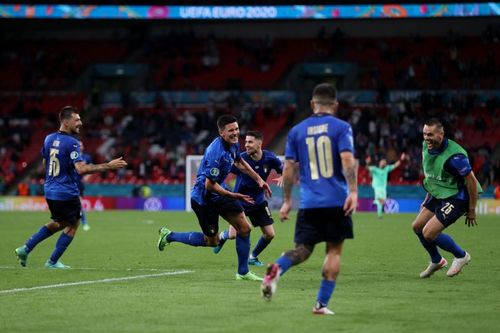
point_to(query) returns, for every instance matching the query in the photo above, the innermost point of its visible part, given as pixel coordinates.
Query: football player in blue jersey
(210, 197)
(263, 162)
(81, 186)
(63, 165)
(322, 146)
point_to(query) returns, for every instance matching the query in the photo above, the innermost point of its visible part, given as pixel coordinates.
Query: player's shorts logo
(214, 172)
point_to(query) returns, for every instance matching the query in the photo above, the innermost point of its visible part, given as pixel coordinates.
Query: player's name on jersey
(312, 130)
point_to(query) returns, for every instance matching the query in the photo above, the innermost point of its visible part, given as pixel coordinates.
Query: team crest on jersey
(73, 155)
(214, 172)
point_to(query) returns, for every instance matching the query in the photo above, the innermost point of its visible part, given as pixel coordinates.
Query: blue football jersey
(61, 151)
(246, 185)
(215, 165)
(316, 143)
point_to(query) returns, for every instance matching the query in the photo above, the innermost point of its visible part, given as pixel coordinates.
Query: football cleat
(86, 227)
(219, 246)
(255, 262)
(162, 241)
(322, 311)
(57, 265)
(432, 268)
(270, 283)
(458, 264)
(22, 255)
(250, 276)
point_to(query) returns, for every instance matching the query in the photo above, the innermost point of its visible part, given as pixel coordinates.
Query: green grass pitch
(378, 289)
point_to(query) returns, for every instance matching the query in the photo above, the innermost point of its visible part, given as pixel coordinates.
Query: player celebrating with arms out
(322, 146)
(211, 199)
(263, 162)
(63, 166)
(452, 191)
(379, 180)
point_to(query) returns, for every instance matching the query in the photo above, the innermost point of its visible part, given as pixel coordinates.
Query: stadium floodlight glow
(250, 12)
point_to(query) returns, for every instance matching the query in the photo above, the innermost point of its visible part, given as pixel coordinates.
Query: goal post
(192, 165)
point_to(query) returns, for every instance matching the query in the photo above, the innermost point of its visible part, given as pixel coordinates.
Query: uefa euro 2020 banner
(250, 12)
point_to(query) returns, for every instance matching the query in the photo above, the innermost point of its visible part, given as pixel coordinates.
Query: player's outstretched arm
(247, 169)
(83, 168)
(401, 159)
(215, 187)
(350, 168)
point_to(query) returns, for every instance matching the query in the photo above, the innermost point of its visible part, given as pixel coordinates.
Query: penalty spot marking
(80, 283)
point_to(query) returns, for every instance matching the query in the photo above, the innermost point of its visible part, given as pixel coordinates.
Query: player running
(322, 146)
(452, 192)
(63, 166)
(262, 162)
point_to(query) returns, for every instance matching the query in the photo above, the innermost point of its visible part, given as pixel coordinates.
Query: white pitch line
(79, 283)
(103, 269)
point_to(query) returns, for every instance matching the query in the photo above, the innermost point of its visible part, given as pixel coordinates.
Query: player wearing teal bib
(379, 180)
(452, 191)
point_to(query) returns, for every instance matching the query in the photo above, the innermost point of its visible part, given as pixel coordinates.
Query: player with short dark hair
(210, 198)
(262, 162)
(63, 166)
(322, 146)
(452, 191)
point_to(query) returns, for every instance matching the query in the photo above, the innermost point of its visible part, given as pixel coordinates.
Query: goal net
(192, 165)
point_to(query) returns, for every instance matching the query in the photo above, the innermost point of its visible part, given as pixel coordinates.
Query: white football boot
(458, 264)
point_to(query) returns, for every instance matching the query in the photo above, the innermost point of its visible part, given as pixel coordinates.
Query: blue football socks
(61, 245)
(431, 248)
(243, 251)
(261, 245)
(39, 236)
(325, 291)
(189, 238)
(447, 243)
(285, 263)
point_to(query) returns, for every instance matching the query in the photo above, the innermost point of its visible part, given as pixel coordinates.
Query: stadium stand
(39, 77)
